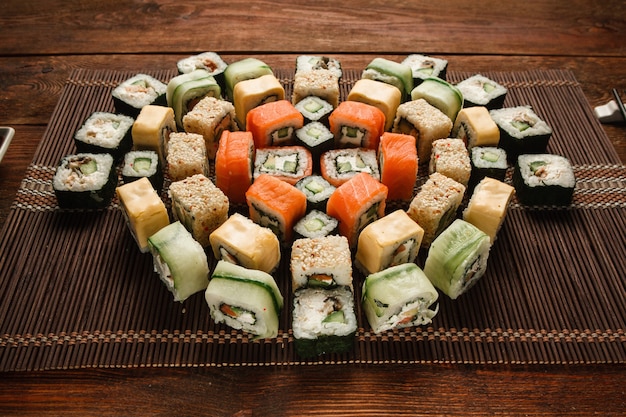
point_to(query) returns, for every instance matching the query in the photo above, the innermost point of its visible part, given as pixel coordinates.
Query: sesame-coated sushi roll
(152, 129)
(179, 260)
(356, 203)
(440, 94)
(393, 73)
(488, 205)
(143, 209)
(457, 258)
(321, 262)
(324, 321)
(243, 70)
(234, 164)
(357, 125)
(521, 131)
(186, 90)
(423, 121)
(138, 91)
(320, 83)
(104, 132)
(287, 163)
(240, 241)
(186, 156)
(398, 165)
(199, 205)
(317, 191)
(255, 92)
(391, 240)
(544, 179)
(435, 205)
(315, 224)
(209, 118)
(244, 299)
(85, 180)
(451, 158)
(340, 165)
(397, 297)
(140, 164)
(479, 90)
(274, 123)
(476, 127)
(318, 62)
(379, 94)
(423, 66)
(276, 204)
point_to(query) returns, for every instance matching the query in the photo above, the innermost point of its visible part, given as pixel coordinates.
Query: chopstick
(620, 104)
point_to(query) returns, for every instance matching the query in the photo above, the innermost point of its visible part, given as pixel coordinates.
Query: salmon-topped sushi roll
(233, 164)
(398, 164)
(274, 123)
(357, 125)
(357, 203)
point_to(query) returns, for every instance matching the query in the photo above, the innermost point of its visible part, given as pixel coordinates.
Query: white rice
(417, 62)
(312, 306)
(504, 117)
(138, 95)
(474, 92)
(558, 171)
(104, 129)
(67, 179)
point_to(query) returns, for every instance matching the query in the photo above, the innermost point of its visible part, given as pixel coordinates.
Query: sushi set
(320, 212)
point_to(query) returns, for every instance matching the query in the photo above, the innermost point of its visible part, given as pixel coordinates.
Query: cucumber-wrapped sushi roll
(321, 262)
(105, 132)
(317, 62)
(476, 127)
(544, 179)
(209, 61)
(397, 297)
(423, 66)
(521, 131)
(244, 299)
(315, 224)
(457, 258)
(479, 90)
(179, 260)
(379, 94)
(390, 72)
(317, 191)
(340, 165)
(85, 180)
(140, 164)
(324, 321)
(136, 92)
(186, 90)
(440, 94)
(242, 70)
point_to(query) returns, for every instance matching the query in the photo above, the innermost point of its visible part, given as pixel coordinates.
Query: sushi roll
(186, 156)
(317, 62)
(140, 90)
(276, 204)
(152, 129)
(242, 70)
(274, 123)
(324, 321)
(240, 241)
(389, 72)
(457, 258)
(314, 109)
(244, 299)
(397, 297)
(476, 127)
(185, 90)
(255, 92)
(199, 205)
(320, 83)
(423, 66)
(85, 181)
(321, 262)
(479, 90)
(451, 158)
(104, 132)
(440, 94)
(140, 164)
(234, 164)
(209, 61)
(179, 260)
(398, 165)
(317, 138)
(391, 240)
(379, 94)
(209, 118)
(357, 125)
(487, 161)
(357, 203)
(143, 209)
(488, 205)
(340, 165)
(544, 179)
(521, 131)
(287, 163)
(315, 224)
(317, 191)
(423, 121)
(435, 205)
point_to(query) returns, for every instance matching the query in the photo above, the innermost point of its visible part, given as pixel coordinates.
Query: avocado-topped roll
(324, 321)
(244, 299)
(136, 92)
(544, 179)
(397, 297)
(457, 258)
(179, 260)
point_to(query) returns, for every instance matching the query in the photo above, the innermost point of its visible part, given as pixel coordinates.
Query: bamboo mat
(77, 293)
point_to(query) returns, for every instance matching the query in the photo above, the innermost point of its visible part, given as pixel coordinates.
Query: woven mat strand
(77, 293)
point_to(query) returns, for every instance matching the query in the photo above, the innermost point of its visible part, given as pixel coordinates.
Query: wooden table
(42, 42)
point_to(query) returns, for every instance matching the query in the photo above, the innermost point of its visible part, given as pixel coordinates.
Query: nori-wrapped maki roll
(521, 131)
(487, 161)
(139, 164)
(317, 191)
(544, 179)
(315, 224)
(479, 90)
(314, 109)
(423, 66)
(136, 92)
(105, 132)
(317, 138)
(209, 61)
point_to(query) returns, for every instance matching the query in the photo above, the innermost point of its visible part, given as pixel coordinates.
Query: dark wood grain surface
(41, 42)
